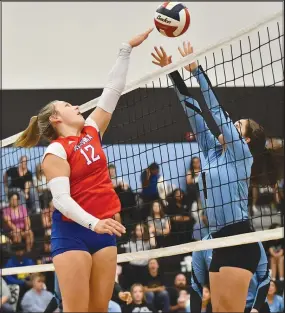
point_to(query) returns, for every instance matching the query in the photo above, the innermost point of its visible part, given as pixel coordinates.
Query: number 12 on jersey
(91, 152)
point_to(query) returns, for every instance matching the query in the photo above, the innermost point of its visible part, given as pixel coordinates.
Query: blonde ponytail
(30, 136)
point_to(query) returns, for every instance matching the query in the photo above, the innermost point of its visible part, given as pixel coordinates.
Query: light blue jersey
(258, 286)
(224, 181)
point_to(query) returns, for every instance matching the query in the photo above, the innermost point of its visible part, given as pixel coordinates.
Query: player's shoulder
(89, 122)
(56, 148)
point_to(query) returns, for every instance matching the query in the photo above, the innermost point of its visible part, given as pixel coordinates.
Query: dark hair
(145, 235)
(18, 247)
(191, 165)
(152, 260)
(111, 166)
(153, 166)
(13, 193)
(263, 170)
(162, 214)
(178, 189)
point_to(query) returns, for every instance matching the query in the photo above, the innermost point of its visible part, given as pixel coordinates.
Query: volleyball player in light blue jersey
(223, 184)
(258, 287)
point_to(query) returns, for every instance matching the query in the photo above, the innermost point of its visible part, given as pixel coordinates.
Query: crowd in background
(160, 215)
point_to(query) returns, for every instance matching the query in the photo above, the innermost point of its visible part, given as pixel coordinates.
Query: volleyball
(172, 19)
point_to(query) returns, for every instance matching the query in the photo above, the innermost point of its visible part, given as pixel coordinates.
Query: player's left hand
(137, 40)
(161, 57)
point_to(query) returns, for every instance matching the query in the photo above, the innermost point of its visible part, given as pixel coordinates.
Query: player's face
(206, 294)
(241, 126)
(156, 207)
(180, 280)
(137, 293)
(69, 114)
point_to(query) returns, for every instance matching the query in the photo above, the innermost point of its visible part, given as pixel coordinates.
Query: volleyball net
(150, 133)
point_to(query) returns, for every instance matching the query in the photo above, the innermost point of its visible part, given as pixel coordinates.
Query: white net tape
(172, 67)
(265, 235)
(258, 236)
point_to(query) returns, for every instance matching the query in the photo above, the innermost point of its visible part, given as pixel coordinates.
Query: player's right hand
(161, 58)
(188, 49)
(110, 226)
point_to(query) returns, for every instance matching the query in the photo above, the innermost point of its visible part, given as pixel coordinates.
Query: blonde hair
(39, 126)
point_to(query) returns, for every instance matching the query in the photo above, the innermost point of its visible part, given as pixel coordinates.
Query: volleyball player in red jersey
(83, 231)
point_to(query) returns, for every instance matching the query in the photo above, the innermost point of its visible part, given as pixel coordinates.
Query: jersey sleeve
(90, 122)
(237, 147)
(206, 140)
(57, 149)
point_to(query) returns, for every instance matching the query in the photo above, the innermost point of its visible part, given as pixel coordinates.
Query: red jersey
(90, 184)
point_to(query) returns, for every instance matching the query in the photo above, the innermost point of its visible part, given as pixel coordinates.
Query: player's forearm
(60, 189)
(116, 80)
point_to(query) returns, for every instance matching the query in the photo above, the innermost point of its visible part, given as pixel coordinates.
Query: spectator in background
(37, 298)
(276, 254)
(193, 187)
(19, 179)
(139, 303)
(158, 223)
(141, 240)
(154, 287)
(5, 296)
(18, 260)
(180, 283)
(275, 302)
(149, 179)
(183, 300)
(19, 223)
(206, 306)
(265, 197)
(126, 196)
(47, 217)
(181, 221)
(40, 184)
(116, 181)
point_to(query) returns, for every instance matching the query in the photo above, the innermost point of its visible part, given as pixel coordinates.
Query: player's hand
(137, 40)
(161, 58)
(186, 50)
(110, 226)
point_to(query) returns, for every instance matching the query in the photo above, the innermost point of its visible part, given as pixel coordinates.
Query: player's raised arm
(206, 140)
(115, 83)
(231, 137)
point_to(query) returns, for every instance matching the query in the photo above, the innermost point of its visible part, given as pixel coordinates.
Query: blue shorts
(68, 236)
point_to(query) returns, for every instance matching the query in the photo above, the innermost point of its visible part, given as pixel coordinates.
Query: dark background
(149, 115)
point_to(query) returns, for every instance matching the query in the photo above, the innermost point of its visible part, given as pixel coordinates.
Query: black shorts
(245, 256)
(263, 309)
